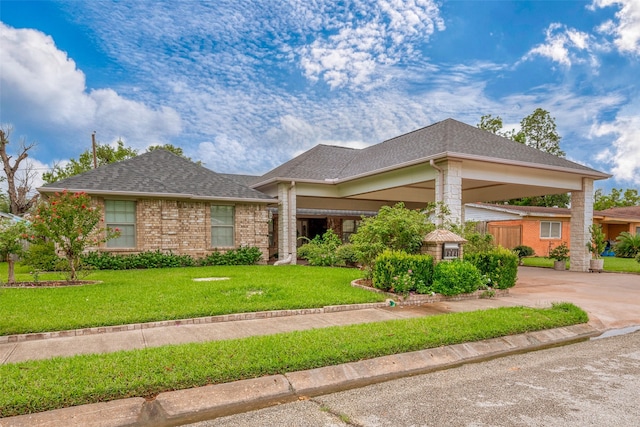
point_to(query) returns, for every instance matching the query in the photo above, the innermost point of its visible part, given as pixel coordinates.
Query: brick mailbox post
(443, 245)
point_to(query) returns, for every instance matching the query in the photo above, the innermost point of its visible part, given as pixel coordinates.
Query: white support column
(293, 224)
(449, 189)
(581, 220)
(287, 222)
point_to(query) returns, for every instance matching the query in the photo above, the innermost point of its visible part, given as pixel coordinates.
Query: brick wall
(184, 227)
(531, 233)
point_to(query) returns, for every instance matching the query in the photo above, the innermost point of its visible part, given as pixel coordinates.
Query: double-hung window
(222, 226)
(121, 215)
(550, 229)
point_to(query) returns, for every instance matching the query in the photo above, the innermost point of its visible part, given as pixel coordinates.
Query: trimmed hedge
(158, 259)
(456, 277)
(402, 272)
(500, 266)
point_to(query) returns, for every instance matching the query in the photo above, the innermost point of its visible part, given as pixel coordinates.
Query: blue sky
(246, 85)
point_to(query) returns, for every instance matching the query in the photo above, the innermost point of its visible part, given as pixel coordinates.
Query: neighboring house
(161, 201)
(174, 204)
(543, 228)
(616, 220)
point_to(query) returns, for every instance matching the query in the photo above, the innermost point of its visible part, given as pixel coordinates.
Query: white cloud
(357, 49)
(47, 91)
(624, 152)
(562, 45)
(626, 28)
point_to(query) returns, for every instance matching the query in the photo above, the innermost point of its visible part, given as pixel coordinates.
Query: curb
(198, 404)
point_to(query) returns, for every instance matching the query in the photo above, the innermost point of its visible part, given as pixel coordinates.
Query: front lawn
(36, 386)
(135, 296)
(613, 264)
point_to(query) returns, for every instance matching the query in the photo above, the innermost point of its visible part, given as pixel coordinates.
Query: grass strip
(37, 386)
(613, 264)
(138, 296)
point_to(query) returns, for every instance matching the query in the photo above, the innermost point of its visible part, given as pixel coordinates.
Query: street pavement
(593, 383)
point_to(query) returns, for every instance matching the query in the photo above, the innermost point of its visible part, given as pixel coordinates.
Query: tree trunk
(11, 269)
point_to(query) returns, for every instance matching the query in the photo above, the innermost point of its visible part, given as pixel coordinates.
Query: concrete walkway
(612, 301)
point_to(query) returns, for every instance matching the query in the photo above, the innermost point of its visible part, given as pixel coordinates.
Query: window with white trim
(121, 215)
(550, 229)
(222, 226)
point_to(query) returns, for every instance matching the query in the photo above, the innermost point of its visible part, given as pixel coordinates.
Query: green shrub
(402, 272)
(396, 228)
(347, 255)
(247, 255)
(500, 266)
(523, 251)
(41, 256)
(456, 277)
(321, 250)
(158, 259)
(627, 245)
(142, 260)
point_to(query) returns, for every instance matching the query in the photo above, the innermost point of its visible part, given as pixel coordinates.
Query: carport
(448, 162)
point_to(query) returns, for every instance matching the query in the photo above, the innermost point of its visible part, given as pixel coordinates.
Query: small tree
(396, 228)
(12, 234)
(597, 243)
(72, 223)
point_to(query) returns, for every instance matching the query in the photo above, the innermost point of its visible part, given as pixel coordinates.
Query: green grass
(36, 386)
(613, 264)
(136, 296)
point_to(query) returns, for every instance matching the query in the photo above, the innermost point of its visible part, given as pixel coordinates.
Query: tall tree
(617, 198)
(175, 150)
(105, 154)
(537, 130)
(21, 199)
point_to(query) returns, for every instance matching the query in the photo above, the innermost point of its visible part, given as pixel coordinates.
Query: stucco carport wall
(184, 227)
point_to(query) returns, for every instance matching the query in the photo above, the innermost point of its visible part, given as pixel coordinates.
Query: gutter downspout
(441, 179)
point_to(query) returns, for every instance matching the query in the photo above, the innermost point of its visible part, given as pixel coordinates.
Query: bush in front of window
(247, 255)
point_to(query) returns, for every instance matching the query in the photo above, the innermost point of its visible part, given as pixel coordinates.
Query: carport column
(287, 221)
(449, 189)
(581, 220)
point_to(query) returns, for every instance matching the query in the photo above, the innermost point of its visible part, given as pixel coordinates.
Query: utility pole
(93, 144)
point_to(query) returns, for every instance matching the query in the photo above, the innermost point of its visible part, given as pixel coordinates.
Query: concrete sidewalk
(612, 301)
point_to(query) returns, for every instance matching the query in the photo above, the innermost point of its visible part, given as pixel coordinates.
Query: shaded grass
(136, 296)
(613, 264)
(37, 386)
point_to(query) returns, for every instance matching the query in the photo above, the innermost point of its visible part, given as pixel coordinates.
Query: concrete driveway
(611, 299)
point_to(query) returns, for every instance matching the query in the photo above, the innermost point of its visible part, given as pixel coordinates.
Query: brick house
(544, 228)
(173, 204)
(161, 201)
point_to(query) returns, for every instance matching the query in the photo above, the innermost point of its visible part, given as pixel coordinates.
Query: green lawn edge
(36, 386)
(141, 296)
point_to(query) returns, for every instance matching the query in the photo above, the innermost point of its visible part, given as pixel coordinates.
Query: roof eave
(50, 190)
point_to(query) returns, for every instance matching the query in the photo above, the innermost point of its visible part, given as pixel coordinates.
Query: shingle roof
(319, 163)
(526, 210)
(448, 137)
(631, 212)
(155, 173)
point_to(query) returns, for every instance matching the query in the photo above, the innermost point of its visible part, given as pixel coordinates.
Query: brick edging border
(397, 300)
